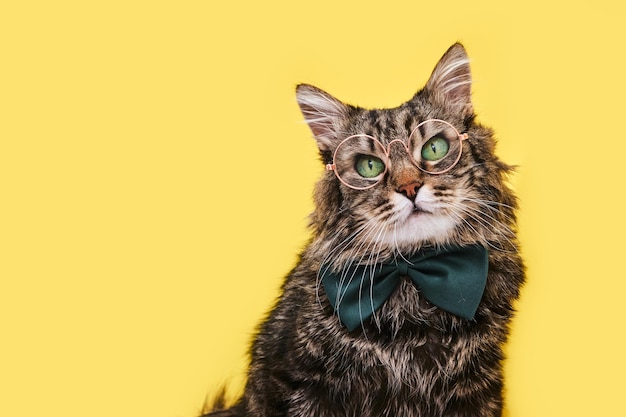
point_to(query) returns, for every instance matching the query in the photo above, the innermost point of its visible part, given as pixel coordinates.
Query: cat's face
(401, 182)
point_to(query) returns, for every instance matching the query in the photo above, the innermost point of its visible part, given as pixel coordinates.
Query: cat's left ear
(323, 113)
(451, 80)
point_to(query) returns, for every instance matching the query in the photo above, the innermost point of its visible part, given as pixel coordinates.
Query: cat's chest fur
(408, 359)
(403, 352)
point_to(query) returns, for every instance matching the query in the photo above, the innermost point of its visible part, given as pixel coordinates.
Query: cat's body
(410, 358)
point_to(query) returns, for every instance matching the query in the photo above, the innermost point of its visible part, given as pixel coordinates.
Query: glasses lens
(436, 145)
(360, 162)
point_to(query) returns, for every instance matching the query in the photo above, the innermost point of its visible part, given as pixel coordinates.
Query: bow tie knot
(452, 278)
(403, 268)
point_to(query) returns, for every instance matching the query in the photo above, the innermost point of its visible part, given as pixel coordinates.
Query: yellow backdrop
(155, 181)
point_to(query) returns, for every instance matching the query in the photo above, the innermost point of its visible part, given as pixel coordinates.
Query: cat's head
(421, 174)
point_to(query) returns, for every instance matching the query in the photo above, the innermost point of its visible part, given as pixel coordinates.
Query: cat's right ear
(323, 113)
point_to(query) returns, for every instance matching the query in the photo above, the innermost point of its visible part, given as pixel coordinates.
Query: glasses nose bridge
(398, 156)
(399, 141)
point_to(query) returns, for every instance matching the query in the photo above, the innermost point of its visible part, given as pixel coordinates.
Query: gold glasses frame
(406, 145)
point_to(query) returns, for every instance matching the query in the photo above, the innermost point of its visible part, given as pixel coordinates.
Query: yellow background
(155, 181)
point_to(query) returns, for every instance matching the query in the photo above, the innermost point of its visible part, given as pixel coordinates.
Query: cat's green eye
(369, 166)
(435, 149)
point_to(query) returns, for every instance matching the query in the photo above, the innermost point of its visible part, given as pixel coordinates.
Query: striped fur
(411, 359)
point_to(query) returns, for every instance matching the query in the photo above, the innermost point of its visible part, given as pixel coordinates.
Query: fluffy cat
(388, 196)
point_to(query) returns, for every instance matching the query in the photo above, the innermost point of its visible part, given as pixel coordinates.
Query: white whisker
(486, 220)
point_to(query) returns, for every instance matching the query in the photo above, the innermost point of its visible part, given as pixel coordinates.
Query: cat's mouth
(417, 210)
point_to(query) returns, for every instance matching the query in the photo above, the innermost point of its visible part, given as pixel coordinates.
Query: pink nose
(409, 190)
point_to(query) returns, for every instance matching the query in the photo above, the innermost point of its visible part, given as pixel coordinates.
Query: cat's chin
(421, 224)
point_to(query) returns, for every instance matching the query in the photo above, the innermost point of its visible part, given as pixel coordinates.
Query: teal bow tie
(452, 278)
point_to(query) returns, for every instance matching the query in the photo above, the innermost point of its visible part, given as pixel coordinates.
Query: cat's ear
(451, 80)
(323, 113)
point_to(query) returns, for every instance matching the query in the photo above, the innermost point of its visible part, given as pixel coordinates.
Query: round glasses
(361, 161)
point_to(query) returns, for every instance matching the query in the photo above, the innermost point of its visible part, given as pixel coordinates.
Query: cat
(416, 186)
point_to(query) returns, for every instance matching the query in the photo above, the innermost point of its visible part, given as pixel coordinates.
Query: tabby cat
(401, 302)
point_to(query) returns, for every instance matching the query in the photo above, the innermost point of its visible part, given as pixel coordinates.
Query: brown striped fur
(411, 359)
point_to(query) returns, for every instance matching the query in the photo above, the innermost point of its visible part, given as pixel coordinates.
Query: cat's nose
(409, 190)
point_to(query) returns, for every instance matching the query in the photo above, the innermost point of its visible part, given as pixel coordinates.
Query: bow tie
(452, 278)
